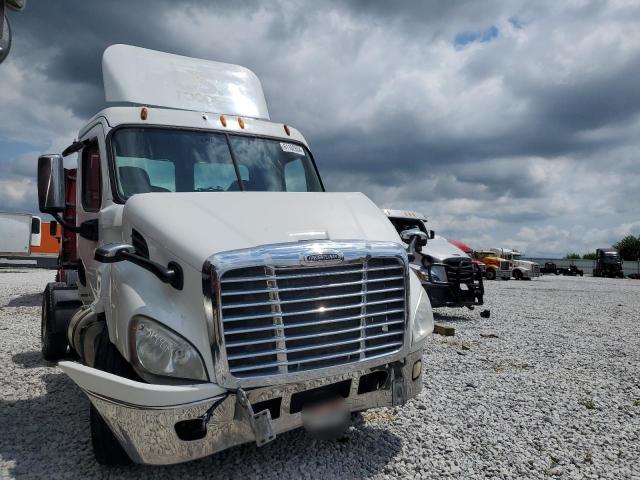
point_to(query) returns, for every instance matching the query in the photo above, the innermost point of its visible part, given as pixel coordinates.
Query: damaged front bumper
(161, 424)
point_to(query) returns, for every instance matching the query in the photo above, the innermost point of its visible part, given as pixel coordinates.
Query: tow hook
(398, 387)
(260, 422)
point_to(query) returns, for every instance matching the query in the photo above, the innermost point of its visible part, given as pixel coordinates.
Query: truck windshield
(171, 160)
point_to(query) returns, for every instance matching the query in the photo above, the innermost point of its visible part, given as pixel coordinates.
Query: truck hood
(440, 248)
(193, 226)
(524, 263)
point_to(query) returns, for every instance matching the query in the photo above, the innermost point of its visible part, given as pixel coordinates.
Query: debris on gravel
(557, 395)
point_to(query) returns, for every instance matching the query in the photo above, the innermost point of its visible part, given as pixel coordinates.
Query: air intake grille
(293, 319)
(459, 270)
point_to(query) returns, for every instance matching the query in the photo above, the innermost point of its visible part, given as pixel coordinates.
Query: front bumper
(454, 295)
(148, 432)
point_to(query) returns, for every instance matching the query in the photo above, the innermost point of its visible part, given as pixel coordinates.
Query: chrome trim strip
(321, 322)
(308, 299)
(237, 318)
(310, 335)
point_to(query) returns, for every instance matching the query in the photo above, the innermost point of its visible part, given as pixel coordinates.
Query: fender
(126, 290)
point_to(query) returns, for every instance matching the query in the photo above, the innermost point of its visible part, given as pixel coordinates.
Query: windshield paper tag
(291, 148)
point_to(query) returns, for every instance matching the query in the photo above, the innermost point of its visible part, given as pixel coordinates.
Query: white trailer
(15, 233)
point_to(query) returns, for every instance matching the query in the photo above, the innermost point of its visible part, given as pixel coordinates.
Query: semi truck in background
(212, 293)
(495, 267)
(445, 271)
(608, 263)
(520, 269)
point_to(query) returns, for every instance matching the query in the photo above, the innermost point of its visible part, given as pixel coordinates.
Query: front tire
(53, 344)
(517, 274)
(491, 274)
(106, 447)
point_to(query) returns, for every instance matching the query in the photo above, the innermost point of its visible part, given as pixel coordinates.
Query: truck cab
(608, 263)
(445, 271)
(495, 267)
(222, 296)
(520, 269)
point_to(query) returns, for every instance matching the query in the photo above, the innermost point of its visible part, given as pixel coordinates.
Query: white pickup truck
(223, 296)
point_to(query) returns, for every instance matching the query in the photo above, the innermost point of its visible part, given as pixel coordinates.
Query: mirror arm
(88, 229)
(68, 226)
(172, 274)
(75, 146)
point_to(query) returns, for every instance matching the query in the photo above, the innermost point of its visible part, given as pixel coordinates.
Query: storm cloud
(510, 124)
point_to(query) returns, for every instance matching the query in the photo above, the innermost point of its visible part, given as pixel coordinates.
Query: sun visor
(148, 77)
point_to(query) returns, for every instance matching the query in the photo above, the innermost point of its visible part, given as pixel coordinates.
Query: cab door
(90, 183)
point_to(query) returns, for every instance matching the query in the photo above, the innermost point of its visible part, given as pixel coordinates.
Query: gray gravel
(549, 386)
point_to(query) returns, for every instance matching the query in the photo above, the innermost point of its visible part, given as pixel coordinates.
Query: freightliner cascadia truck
(213, 293)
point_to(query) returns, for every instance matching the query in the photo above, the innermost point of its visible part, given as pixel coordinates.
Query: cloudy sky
(513, 124)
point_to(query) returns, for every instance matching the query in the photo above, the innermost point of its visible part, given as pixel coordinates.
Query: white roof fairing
(148, 77)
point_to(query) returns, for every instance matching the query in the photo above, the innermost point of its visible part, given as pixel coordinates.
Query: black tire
(491, 274)
(106, 447)
(53, 345)
(517, 274)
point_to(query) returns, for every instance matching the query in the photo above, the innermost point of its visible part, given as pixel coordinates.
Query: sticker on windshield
(291, 148)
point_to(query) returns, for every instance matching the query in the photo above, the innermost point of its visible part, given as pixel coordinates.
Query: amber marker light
(241, 122)
(223, 120)
(144, 113)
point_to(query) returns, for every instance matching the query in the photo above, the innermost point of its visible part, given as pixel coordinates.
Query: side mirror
(416, 239)
(410, 234)
(50, 184)
(432, 234)
(112, 252)
(5, 34)
(5, 28)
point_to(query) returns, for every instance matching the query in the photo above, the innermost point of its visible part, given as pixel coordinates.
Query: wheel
(491, 274)
(53, 344)
(517, 274)
(106, 447)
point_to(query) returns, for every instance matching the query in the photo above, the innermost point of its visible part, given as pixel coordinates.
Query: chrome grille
(504, 265)
(292, 319)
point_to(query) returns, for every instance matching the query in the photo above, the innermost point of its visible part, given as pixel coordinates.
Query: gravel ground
(548, 386)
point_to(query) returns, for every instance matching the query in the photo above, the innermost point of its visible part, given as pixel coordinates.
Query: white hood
(193, 226)
(440, 249)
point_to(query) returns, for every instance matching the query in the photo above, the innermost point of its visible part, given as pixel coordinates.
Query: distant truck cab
(212, 292)
(608, 263)
(445, 271)
(495, 267)
(520, 269)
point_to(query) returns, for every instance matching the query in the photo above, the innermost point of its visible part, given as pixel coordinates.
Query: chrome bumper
(148, 434)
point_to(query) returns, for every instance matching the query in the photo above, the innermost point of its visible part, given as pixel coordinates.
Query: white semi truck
(445, 271)
(520, 269)
(223, 296)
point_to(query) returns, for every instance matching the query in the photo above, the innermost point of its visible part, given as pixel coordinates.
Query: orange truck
(48, 243)
(496, 266)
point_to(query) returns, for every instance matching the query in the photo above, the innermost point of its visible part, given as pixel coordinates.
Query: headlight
(422, 319)
(160, 351)
(438, 273)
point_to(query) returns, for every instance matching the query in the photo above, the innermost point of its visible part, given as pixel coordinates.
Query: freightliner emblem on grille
(327, 257)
